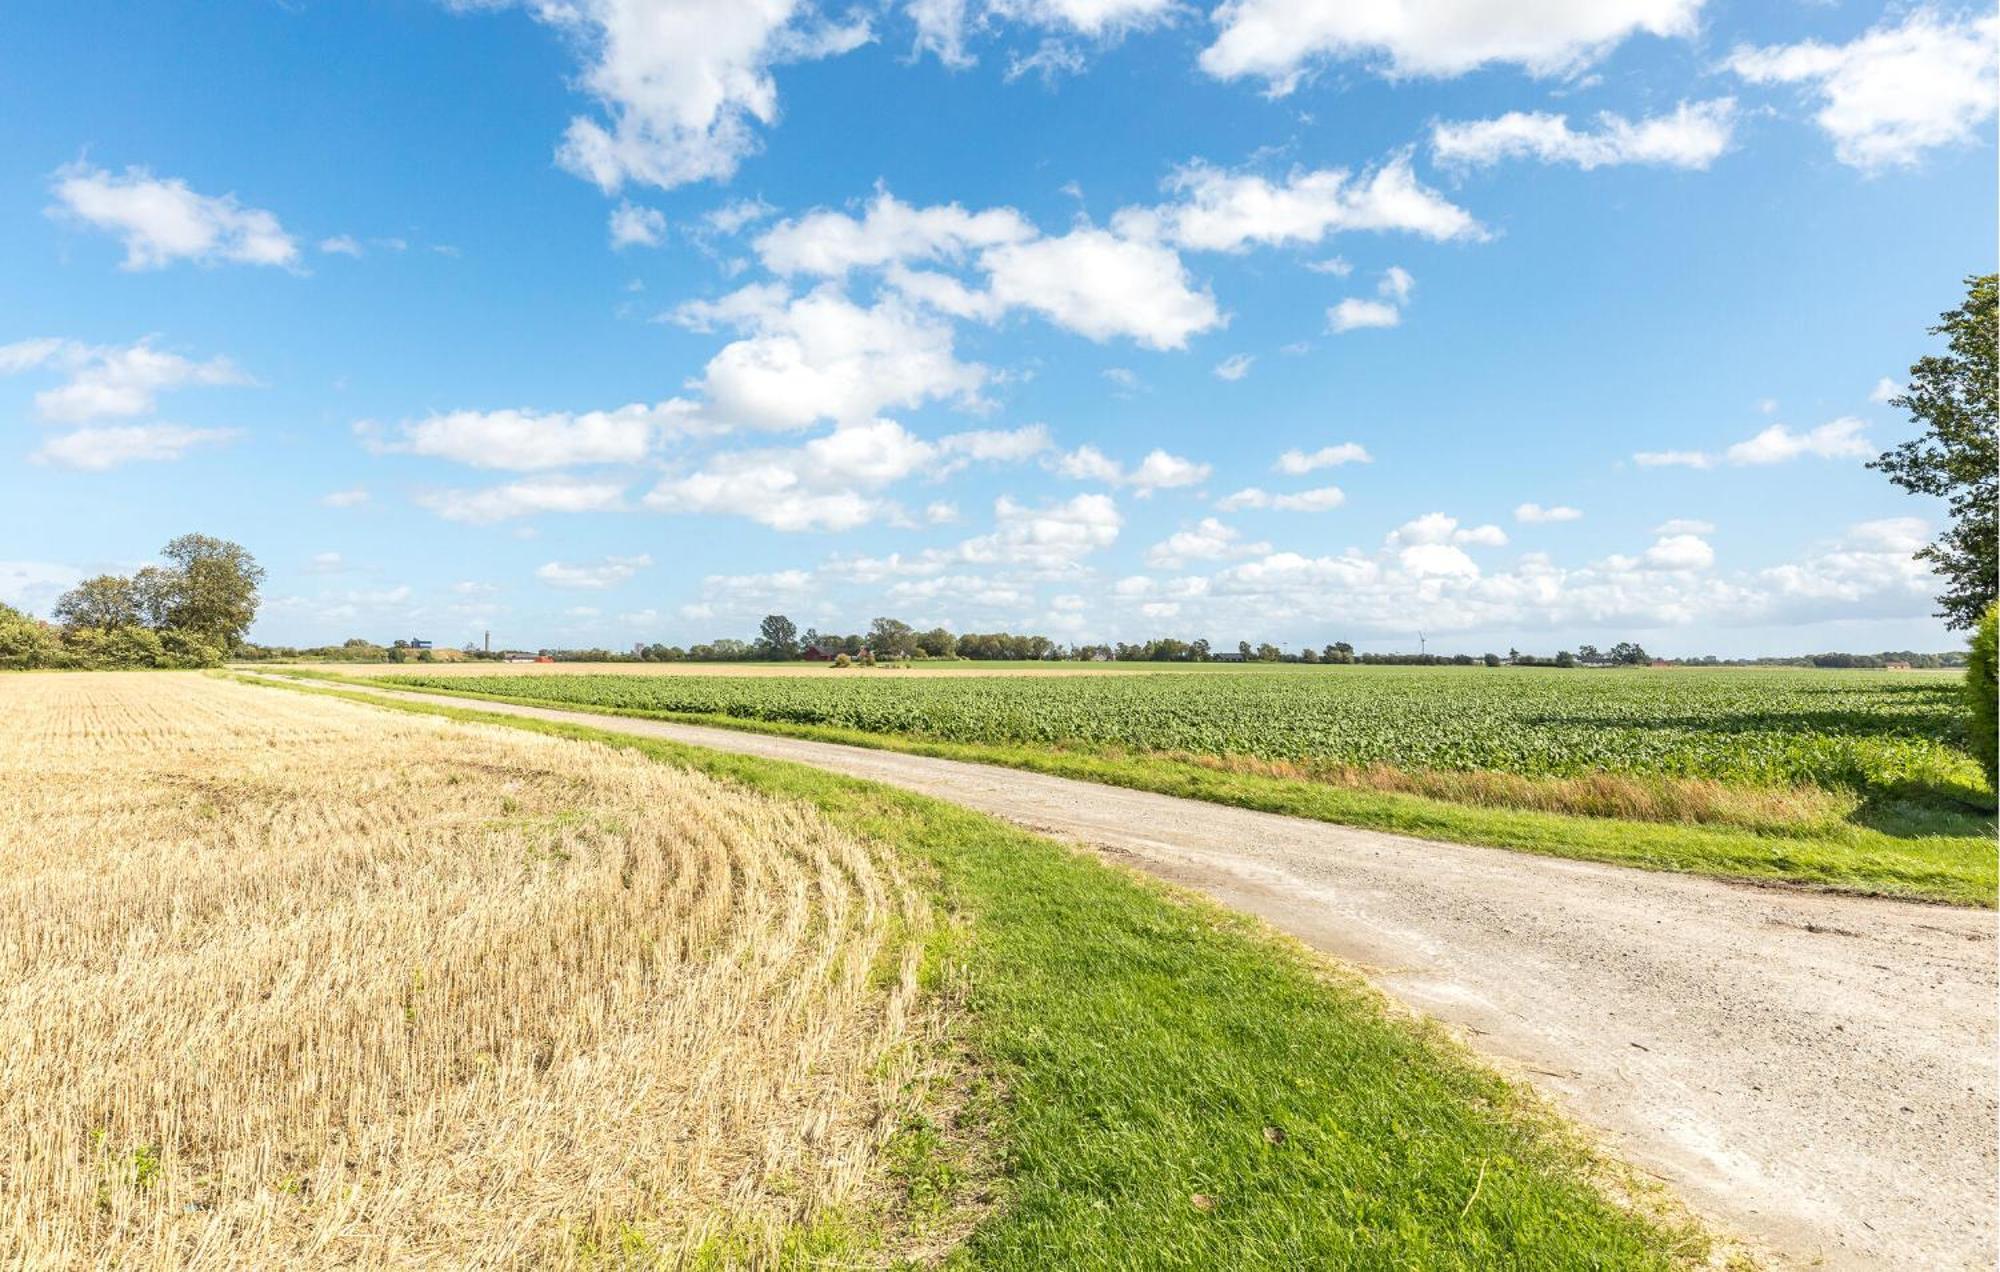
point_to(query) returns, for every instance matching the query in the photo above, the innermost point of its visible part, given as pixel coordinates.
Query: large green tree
(1952, 394)
(208, 586)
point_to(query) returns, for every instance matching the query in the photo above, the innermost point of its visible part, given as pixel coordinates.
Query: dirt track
(1813, 1073)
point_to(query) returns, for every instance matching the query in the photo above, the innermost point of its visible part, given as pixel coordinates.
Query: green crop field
(1843, 779)
(1854, 731)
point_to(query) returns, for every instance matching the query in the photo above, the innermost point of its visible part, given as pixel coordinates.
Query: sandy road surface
(1813, 1073)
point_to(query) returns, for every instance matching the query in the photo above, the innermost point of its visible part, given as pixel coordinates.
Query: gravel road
(1814, 1074)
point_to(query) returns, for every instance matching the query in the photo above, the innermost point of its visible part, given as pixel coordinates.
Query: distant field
(921, 667)
(1868, 733)
(1852, 780)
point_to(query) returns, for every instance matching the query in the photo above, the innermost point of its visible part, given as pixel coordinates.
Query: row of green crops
(1861, 731)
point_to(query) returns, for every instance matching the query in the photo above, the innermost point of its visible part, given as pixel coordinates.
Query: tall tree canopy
(1952, 395)
(104, 603)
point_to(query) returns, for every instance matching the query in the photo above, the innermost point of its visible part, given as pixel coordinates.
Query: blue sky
(601, 321)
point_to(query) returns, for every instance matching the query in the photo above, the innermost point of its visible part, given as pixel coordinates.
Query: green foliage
(104, 602)
(27, 643)
(1859, 731)
(1981, 688)
(1953, 396)
(209, 587)
(778, 637)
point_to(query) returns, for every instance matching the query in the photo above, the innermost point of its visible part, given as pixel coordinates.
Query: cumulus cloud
(682, 89)
(111, 381)
(943, 26)
(1885, 391)
(1216, 210)
(822, 356)
(1280, 40)
(1693, 136)
(1680, 552)
(1320, 500)
(1839, 439)
(1049, 538)
(341, 245)
(1298, 462)
(833, 482)
(1101, 285)
(1207, 540)
(1899, 90)
(160, 220)
(608, 573)
(1159, 470)
(527, 440)
(524, 498)
(1536, 514)
(636, 226)
(829, 244)
(1354, 314)
(96, 449)
(1436, 529)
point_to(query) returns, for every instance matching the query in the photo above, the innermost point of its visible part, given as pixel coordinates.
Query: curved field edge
(1184, 1088)
(1925, 856)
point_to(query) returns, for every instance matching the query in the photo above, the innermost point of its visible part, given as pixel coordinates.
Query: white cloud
(341, 245)
(1322, 499)
(527, 440)
(1487, 536)
(1673, 459)
(1050, 538)
(1684, 525)
(96, 449)
(1396, 284)
(1898, 90)
(161, 220)
(1839, 439)
(1157, 471)
(1234, 367)
(1536, 514)
(1297, 462)
(1891, 534)
(1355, 315)
(524, 498)
(1208, 540)
(1694, 136)
(683, 87)
(829, 244)
(1680, 552)
(1221, 211)
(636, 226)
(607, 573)
(111, 381)
(326, 563)
(821, 356)
(1885, 391)
(732, 217)
(832, 482)
(1279, 40)
(30, 585)
(351, 498)
(943, 25)
(1100, 285)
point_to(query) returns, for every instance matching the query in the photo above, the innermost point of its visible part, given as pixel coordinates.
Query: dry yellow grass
(292, 982)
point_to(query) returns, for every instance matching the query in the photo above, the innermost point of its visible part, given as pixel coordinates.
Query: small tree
(778, 637)
(891, 638)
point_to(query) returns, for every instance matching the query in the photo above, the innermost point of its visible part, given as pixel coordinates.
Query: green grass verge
(1183, 1089)
(1925, 855)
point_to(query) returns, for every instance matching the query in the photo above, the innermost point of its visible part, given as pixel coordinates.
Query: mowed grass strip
(1918, 849)
(1166, 1085)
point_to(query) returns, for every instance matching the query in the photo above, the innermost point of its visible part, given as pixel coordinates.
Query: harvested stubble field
(294, 982)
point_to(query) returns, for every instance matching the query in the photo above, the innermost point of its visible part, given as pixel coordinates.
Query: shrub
(842, 660)
(1981, 689)
(27, 642)
(189, 649)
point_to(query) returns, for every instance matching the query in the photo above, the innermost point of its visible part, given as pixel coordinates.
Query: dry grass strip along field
(291, 982)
